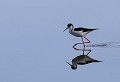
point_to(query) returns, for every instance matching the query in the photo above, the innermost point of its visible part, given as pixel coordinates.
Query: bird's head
(69, 26)
(72, 66)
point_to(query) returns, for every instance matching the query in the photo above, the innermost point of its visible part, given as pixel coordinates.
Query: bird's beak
(65, 29)
(68, 63)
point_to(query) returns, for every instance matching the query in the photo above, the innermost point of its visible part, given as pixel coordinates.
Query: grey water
(105, 45)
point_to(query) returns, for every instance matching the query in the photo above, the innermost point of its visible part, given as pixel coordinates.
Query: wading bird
(79, 32)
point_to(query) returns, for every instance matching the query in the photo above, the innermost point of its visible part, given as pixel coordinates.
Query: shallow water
(105, 45)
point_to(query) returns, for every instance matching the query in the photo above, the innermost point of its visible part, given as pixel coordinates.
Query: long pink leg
(86, 39)
(80, 43)
(83, 41)
(82, 50)
(76, 48)
(83, 44)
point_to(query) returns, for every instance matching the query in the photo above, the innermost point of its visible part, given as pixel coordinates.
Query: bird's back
(84, 29)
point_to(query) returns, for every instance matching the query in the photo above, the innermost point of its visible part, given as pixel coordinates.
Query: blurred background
(34, 48)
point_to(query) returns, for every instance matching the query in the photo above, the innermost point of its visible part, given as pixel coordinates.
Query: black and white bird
(81, 60)
(79, 32)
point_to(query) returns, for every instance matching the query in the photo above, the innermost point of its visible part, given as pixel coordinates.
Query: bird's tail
(96, 28)
(97, 61)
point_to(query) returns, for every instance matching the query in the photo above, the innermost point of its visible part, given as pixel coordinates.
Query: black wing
(83, 29)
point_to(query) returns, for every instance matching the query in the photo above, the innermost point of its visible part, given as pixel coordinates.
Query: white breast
(78, 33)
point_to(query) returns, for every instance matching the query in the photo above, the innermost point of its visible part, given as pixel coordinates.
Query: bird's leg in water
(83, 45)
(80, 43)
(88, 52)
(76, 48)
(82, 49)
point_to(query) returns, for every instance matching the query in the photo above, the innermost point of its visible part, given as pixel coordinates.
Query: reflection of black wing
(83, 59)
(106, 45)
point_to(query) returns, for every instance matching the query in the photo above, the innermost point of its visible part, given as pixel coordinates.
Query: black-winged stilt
(79, 32)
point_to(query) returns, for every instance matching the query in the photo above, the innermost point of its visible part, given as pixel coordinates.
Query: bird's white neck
(74, 64)
(71, 28)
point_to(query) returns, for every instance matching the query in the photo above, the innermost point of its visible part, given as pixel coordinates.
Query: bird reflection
(82, 60)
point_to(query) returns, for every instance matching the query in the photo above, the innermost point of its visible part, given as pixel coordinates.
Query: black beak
(65, 29)
(68, 63)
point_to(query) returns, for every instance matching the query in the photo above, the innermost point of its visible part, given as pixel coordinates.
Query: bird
(79, 32)
(81, 60)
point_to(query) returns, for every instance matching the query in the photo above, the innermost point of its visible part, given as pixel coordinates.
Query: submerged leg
(80, 43)
(77, 48)
(88, 52)
(83, 45)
